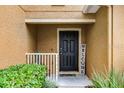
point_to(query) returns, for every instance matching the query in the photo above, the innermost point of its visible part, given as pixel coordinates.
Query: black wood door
(68, 50)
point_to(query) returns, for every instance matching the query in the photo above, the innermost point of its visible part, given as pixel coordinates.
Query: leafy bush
(112, 79)
(23, 76)
(50, 84)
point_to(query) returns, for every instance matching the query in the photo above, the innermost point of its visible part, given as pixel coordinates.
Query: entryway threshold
(73, 81)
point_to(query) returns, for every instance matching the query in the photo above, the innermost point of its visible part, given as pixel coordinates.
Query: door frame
(79, 42)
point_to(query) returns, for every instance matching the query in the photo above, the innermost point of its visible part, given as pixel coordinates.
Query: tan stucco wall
(15, 37)
(47, 36)
(118, 37)
(96, 40)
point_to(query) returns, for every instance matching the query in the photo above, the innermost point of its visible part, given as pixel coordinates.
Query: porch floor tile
(73, 81)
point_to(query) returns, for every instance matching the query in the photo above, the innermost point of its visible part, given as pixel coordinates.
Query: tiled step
(71, 87)
(73, 82)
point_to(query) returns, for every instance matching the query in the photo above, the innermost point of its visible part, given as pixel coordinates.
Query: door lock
(61, 50)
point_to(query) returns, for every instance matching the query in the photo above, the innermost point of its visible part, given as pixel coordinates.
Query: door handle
(60, 53)
(61, 50)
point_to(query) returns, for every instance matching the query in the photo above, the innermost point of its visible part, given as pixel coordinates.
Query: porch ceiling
(51, 8)
(60, 21)
(62, 8)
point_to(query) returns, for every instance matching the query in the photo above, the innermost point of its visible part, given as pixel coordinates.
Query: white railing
(50, 60)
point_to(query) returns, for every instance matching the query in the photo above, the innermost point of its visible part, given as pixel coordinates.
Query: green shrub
(112, 79)
(50, 84)
(23, 76)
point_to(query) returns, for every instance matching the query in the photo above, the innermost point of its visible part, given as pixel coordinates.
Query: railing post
(35, 59)
(42, 58)
(28, 59)
(45, 59)
(57, 57)
(39, 62)
(50, 66)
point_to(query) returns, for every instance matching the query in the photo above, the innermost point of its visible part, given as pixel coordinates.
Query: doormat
(62, 75)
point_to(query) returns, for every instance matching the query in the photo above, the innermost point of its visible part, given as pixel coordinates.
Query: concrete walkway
(73, 81)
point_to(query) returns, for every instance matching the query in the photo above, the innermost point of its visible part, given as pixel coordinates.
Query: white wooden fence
(50, 60)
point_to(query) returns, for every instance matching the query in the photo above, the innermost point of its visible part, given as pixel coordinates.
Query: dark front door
(68, 50)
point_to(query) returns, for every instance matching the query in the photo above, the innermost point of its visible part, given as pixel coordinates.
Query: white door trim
(70, 29)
